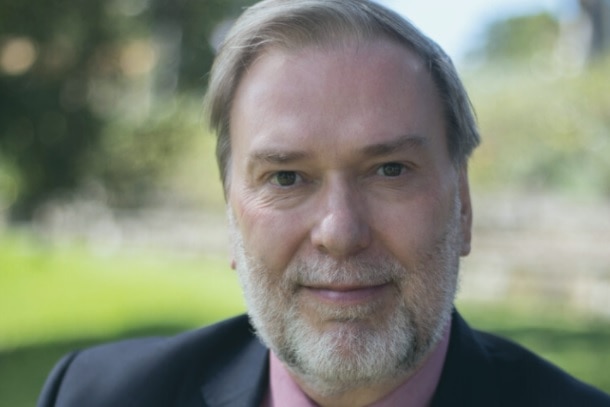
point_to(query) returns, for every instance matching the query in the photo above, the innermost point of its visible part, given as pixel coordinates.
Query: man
(343, 141)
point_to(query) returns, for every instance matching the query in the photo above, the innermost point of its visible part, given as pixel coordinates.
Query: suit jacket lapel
(242, 382)
(468, 376)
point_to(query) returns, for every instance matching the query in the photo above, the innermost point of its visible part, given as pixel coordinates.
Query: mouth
(347, 294)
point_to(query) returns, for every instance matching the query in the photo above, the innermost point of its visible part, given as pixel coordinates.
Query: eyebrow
(409, 141)
(273, 156)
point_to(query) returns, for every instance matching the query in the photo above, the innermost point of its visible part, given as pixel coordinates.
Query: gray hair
(294, 24)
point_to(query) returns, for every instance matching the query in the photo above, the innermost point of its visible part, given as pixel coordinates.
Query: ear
(465, 210)
(233, 264)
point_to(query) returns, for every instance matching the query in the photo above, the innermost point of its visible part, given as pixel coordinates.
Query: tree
(70, 70)
(518, 38)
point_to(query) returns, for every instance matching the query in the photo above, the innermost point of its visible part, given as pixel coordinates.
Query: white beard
(363, 345)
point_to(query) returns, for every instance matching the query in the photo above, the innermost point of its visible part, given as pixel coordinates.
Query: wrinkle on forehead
(334, 101)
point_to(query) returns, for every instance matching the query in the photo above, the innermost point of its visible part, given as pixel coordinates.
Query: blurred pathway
(538, 248)
(533, 248)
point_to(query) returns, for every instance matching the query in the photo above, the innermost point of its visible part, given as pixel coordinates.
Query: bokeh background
(111, 213)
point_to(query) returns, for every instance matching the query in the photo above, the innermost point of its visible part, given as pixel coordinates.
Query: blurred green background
(111, 212)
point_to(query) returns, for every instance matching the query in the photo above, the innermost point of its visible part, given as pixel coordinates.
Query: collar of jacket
(241, 382)
(468, 374)
(467, 378)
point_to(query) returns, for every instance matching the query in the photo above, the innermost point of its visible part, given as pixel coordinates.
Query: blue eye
(285, 178)
(391, 169)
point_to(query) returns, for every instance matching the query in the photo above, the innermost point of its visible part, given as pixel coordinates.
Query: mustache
(353, 271)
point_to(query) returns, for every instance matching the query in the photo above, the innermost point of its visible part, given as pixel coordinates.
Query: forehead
(372, 54)
(336, 90)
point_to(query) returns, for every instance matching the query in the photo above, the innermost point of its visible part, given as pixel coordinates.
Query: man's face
(347, 215)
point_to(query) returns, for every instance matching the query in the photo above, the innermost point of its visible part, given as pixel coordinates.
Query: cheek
(424, 245)
(272, 237)
(410, 228)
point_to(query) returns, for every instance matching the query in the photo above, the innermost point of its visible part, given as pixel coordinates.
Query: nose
(341, 228)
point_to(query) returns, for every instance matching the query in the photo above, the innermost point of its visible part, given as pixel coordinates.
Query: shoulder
(523, 378)
(482, 369)
(158, 368)
(207, 344)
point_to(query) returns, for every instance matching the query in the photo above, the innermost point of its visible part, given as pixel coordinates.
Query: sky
(456, 24)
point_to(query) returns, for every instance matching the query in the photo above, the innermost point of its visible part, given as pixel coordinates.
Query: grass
(56, 298)
(57, 293)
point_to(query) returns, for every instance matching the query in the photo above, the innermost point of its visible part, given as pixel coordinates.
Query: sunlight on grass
(51, 294)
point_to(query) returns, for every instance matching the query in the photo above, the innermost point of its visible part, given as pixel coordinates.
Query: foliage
(138, 158)
(544, 119)
(543, 129)
(111, 91)
(72, 72)
(518, 38)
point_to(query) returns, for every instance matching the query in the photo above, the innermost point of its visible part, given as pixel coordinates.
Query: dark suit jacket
(225, 365)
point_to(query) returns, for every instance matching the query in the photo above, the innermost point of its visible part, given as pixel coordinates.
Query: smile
(348, 295)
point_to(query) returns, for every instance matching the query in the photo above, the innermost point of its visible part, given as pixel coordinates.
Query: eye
(391, 169)
(285, 178)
